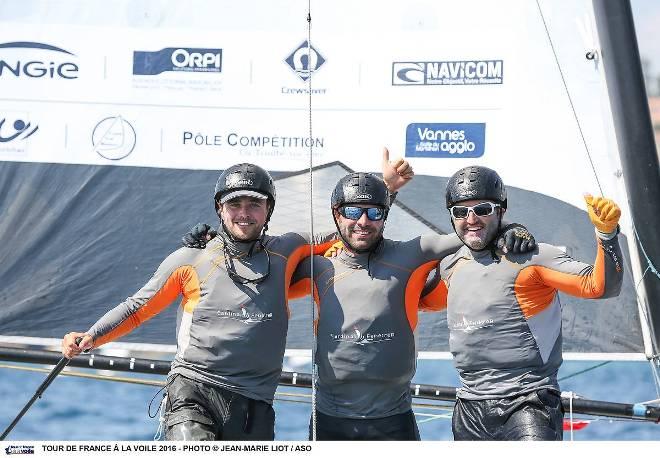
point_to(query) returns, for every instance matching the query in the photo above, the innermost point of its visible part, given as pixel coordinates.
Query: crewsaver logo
(459, 72)
(207, 60)
(27, 59)
(305, 60)
(359, 338)
(449, 140)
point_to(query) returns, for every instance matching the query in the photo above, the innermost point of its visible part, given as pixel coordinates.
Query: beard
(480, 239)
(362, 243)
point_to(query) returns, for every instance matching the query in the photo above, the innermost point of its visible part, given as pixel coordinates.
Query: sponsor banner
(446, 140)
(460, 72)
(35, 60)
(206, 60)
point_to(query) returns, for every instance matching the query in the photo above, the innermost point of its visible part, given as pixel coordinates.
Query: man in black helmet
(506, 336)
(232, 323)
(368, 299)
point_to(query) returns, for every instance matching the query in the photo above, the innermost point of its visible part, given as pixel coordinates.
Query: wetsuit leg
(401, 427)
(196, 411)
(472, 421)
(249, 420)
(186, 414)
(539, 418)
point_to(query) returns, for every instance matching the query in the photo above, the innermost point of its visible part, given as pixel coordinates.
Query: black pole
(61, 364)
(304, 380)
(634, 134)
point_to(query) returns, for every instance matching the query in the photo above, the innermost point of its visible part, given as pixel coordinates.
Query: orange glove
(604, 213)
(334, 250)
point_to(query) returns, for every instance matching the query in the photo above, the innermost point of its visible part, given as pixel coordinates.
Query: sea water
(83, 409)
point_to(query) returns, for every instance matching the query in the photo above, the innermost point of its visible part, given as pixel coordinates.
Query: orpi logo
(305, 60)
(36, 60)
(113, 138)
(19, 129)
(207, 60)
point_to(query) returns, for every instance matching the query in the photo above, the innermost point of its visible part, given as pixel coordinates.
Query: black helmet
(245, 180)
(475, 182)
(361, 188)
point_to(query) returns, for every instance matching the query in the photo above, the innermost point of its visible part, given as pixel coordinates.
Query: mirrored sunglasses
(355, 213)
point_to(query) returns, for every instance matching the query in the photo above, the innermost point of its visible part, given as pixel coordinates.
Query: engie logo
(305, 60)
(36, 60)
(177, 60)
(445, 140)
(464, 72)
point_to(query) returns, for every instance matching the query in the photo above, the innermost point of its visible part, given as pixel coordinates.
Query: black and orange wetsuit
(229, 335)
(504, 322)
(368, 305)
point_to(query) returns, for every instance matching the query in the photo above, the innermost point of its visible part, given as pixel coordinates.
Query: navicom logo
(245, 317)
(36, 60)
(208, 60)
(359, 338)
(464, 72)
(446, 140)
(20, 450)
(305, 60)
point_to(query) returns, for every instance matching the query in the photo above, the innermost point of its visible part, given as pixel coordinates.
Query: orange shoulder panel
(183, 280)
(414, 288)
(436, 300)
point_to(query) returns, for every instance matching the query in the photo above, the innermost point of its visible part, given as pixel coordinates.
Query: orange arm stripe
(414, 289)
(321, 248)
(436, 300)
(292, 262)
(535, 286)
(182, 280)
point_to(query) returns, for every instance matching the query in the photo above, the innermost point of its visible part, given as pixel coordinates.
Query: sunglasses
(482, 209)
(355, 213)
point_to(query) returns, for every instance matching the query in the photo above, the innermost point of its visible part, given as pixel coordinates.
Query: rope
(310, 70)
(570, 99)
(650, 265)
(583, 371)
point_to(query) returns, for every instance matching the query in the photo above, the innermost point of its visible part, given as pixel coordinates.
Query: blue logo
(19, 130)
(57, 66)
(446, 140)
(305, 60)
(208, 60)
(461, 73)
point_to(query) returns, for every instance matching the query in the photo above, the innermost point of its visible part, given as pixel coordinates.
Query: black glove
(198, 236)
(516, 238)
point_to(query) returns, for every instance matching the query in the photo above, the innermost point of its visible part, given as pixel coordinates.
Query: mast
(636, 143)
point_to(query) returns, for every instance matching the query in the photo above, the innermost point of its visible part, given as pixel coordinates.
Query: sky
(646, 14)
